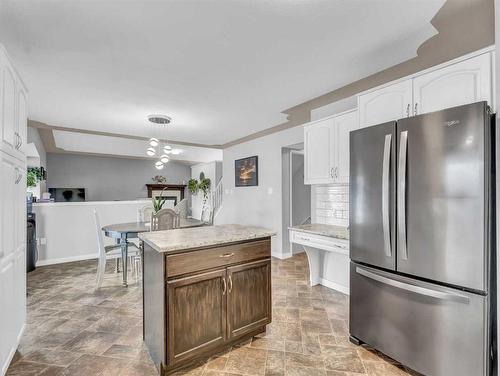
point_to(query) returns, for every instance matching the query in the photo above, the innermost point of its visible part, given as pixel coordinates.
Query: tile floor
(74, 331)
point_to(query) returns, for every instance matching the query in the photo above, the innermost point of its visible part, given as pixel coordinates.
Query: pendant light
(151, 151)
(162, 121)
(153, 141)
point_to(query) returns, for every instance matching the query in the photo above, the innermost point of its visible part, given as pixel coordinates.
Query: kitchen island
(204, 290)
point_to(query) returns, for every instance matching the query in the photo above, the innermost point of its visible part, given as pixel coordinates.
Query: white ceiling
(126, 147)
(221, 69)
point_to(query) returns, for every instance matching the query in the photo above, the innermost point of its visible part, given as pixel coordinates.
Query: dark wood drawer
(190, 262)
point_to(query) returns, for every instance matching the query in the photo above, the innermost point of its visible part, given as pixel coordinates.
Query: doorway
(296, 196)
(300, 195)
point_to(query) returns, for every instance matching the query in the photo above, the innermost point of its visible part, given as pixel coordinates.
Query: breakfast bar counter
(205, 289)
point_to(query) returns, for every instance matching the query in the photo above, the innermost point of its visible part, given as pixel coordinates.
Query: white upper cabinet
(318, 154)
(344, 124)
(14, 109)
(22, 119)
(465, 82)
(9, 126)
(327, 149)
(385, 104)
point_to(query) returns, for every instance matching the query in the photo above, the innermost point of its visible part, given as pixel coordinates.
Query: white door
(344, 124)
(318, 152)
(386, 104)
(466, 82)
(22, 118)
(8, 118)
(12, 255)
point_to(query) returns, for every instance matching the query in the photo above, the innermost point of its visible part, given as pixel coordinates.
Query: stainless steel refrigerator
(422, 274)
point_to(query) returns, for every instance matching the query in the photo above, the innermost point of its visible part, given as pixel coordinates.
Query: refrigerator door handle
(449, 296)
(403, 142)
(385, 194)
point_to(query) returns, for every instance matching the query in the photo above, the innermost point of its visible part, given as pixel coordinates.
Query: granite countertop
(332, 231)
(197, 237)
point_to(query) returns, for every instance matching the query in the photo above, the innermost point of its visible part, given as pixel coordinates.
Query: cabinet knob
(230, 284)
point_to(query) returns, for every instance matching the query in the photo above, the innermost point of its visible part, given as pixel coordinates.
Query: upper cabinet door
(344, 124)
(319, 152)
(22, 119)
(386, 104)
(8, 116)
(466, 82)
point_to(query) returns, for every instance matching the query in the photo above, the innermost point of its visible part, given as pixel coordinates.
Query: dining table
(122, 232)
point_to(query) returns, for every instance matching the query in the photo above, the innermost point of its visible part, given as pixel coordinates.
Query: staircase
(216, 199)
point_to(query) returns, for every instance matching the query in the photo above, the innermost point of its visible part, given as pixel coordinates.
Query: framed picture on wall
(246, 172)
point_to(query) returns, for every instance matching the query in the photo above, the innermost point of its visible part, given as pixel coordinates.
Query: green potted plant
(31, 179)
(204, 186)
(158, 201)
(193, 186)
(34, 175)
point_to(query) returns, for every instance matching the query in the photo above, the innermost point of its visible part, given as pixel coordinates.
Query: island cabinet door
(196, 316)
(249, 297)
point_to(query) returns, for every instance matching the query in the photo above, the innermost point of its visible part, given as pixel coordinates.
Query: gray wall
(301, 193)
(109, 178)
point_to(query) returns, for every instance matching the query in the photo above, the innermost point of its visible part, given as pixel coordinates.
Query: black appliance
(31, 249)
(67, 194)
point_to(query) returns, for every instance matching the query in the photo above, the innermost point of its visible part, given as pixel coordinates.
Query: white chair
(144, 214)
(165, 219)
(182, 208)
(111, 252)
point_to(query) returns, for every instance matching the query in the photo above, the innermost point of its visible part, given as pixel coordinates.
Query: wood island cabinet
(198, 302)
(248, 297)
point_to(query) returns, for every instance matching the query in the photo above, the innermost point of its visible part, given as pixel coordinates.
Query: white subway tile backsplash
(332, 205)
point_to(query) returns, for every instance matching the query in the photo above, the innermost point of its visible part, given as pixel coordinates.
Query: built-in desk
(327, 250)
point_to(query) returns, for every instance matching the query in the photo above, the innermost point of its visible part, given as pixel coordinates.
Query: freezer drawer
(434, 330)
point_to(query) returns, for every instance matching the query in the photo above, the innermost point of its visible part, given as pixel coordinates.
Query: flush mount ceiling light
(159, 119)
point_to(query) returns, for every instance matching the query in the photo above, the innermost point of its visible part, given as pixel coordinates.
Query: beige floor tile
(74, 330)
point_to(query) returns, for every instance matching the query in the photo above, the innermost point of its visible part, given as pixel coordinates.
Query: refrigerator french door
(421, 240)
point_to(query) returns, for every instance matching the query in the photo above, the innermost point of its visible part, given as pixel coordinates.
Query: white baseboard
(62, 260)
(13, 351)
(334, 286)
(281, 256)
